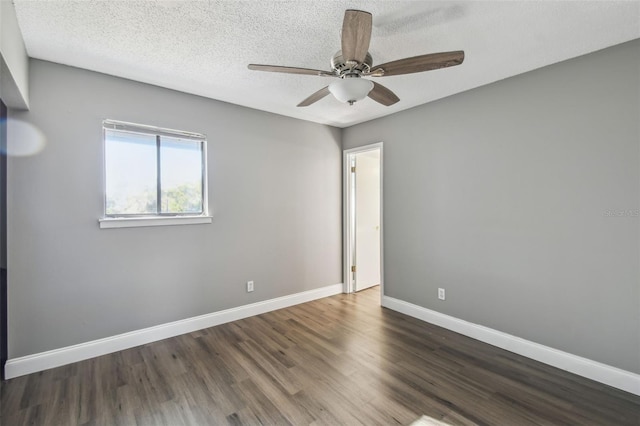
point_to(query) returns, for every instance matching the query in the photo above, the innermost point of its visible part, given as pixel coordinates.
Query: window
(153, 173)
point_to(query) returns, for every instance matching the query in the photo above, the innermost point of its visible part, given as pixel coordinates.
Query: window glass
(181, 175)
(153, 172)
(131, 173)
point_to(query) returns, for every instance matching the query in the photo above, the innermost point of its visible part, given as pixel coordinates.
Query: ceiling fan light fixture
(350, 89)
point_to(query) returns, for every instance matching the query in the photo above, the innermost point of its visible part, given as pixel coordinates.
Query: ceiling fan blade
(356, 35)
(382, 95)
(420, 63)
(315, 97)
(290, 70)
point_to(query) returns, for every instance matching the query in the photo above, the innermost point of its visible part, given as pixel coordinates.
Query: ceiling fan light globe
(350, 89)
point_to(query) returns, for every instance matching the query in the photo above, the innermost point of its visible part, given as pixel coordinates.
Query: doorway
(362, 179)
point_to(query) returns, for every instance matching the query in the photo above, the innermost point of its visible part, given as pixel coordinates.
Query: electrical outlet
(249, 286)
(441, 293)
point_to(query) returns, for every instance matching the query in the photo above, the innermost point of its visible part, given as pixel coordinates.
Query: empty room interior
(320, 213)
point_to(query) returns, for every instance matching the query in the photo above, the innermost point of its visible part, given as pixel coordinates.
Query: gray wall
(275, 196)
(500, 195)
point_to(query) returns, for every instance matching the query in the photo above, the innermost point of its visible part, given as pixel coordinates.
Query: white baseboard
(55, 358)
(612, 376)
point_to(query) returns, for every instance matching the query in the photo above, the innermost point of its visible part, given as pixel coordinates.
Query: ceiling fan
(354, 62)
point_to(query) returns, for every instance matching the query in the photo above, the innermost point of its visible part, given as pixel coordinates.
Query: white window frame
(107, 222)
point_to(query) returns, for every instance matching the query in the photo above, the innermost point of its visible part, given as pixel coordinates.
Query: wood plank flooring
(334, 361)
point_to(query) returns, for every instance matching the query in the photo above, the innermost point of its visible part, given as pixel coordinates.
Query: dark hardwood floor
(339, 360)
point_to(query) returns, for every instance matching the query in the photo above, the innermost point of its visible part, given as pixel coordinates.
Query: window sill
(133, 222)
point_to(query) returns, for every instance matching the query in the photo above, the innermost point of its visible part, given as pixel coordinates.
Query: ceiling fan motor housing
(341, 66)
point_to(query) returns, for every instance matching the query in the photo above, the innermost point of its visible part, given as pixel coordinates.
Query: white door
(367, 219)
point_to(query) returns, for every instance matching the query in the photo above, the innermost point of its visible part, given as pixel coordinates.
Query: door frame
(4, 112)
(347, 208)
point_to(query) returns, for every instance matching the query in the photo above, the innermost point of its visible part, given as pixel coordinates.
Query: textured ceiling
(203, 47)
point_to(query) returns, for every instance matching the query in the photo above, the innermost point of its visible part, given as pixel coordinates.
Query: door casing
(3, 238)
(347, 208)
